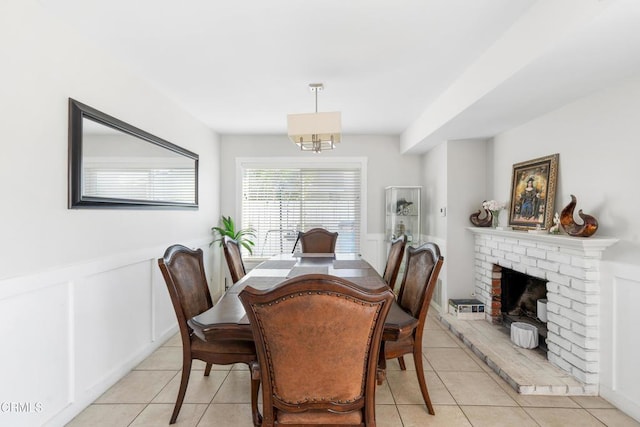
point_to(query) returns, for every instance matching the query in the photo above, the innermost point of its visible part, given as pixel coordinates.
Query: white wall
(454, 178)
(597, 139)
(81, 297)
(385, 167)
(466, 184)
(434, 197)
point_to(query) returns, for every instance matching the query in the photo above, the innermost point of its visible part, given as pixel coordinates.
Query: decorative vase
(589, 223)
(484, 221)
(495, 220)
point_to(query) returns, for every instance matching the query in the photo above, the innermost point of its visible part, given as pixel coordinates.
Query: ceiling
(241, 66)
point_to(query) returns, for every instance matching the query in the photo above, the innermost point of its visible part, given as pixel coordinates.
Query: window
(278, 201)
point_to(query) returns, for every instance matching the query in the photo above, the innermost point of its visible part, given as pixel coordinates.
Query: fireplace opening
(523, 299)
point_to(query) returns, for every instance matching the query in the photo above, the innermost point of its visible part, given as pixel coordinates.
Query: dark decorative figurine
(484, 221)
(589, 226)
(402, 207)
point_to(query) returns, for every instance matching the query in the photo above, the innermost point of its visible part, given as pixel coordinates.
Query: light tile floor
(463, 389)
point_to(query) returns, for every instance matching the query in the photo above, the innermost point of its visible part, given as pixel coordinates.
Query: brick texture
(572, 291)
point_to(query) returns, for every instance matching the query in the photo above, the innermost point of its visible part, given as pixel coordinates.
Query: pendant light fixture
(315, 131)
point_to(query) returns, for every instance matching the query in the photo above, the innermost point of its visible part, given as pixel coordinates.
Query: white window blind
(171, 185)
(279, 202)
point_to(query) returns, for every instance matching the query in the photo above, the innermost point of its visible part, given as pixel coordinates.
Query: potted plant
(244, 236)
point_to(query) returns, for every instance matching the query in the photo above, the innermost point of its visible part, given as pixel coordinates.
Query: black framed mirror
(115, 165)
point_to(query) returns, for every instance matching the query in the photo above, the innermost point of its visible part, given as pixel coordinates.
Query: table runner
(277, 265)
(350, 263)
(298, 271)
(261, 283)
(366, 281)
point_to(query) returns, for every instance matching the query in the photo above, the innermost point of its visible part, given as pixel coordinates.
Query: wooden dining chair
(394, 260)
(318, 240)
(419, 281)
(318, 340)
(234, 258)
(183, 272)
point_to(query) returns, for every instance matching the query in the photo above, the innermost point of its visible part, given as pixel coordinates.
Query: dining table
(227, 319)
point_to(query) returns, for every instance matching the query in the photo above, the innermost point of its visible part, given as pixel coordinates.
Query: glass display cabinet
(402, 213)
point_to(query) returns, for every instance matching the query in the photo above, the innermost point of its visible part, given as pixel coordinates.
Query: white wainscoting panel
(374, 251)
(37, 354)
(71, 333)
(112, 323)
(620, 337)
(163, 317)
(627, 374)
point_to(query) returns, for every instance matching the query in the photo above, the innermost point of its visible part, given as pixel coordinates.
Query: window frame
(302, 162)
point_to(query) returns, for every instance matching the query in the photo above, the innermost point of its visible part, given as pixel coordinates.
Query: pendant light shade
(315, 131)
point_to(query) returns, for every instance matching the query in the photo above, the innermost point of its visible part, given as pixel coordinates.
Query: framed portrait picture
(533, 192)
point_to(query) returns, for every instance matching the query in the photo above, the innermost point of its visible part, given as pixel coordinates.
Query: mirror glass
(113, 164)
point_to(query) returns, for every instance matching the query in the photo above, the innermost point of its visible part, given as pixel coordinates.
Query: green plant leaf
(244, 237)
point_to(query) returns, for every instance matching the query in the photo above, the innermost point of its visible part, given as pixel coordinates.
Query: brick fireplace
(571, 267)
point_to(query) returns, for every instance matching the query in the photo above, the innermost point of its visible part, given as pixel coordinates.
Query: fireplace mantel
(584, 244)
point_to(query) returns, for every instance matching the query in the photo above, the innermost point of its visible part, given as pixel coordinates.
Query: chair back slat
(234, 258)
(318, 240)
(420, 279)
(394, 260)
(183, 271)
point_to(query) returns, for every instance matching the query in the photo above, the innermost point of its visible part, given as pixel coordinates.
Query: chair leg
(382, 365)
(401, 362)
(184, 381)
(417, 358)
(207, 369)
(255, 412)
